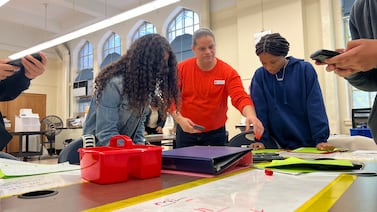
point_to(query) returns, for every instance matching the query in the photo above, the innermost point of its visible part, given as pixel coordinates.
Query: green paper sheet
(309, 150)
(293, 164)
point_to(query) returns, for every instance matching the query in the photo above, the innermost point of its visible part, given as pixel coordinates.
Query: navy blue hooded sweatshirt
(291, 110)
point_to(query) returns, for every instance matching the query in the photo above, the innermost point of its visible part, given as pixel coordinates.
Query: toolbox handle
(127, 141)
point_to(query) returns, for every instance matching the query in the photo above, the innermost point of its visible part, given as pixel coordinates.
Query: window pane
(189, 30)
(186, 22)
(361, 99)
(86, 57)
(112, 44)
(144, 29)
(179, 23)
(118, 50)
(180, 31)
(83, 103)
(196, 19)
(372, 96)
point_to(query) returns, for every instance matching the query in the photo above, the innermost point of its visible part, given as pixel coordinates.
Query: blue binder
(203, 159)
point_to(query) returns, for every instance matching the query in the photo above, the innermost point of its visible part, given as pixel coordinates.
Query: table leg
(20, 146)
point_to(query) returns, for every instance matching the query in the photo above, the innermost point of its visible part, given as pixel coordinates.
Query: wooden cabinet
(37, 102)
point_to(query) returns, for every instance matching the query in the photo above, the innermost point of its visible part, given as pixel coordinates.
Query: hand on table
(325, 147)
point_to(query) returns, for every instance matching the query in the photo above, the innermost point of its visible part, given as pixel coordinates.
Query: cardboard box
(27, 121)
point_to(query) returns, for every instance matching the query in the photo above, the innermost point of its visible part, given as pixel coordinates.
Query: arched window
(180, 31)
(112, 50)
(82, 87)
(86, 56)
(145, 28)
(112, 45)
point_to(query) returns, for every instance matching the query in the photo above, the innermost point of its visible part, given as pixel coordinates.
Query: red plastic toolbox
(113, 164)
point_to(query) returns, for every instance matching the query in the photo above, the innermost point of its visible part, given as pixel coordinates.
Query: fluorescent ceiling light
(2, 2)
(148, 7)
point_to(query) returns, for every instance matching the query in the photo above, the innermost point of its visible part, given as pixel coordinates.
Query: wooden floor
(44, 161)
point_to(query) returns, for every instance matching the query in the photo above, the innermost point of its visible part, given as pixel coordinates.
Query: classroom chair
(246, 138)
(243, 138)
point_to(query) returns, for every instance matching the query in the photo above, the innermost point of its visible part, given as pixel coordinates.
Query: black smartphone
(199, 127)
(17, 62)
(323, 54)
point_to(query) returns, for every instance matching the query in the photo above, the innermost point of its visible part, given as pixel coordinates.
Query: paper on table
(249, 191)
(14, 168)
(359, 155)
(288, 165)
(18, 185)
(365, 152)
(309, 150)
(294, 160)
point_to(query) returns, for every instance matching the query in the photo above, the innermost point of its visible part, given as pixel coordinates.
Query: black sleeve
(365, 81)
(13, 86)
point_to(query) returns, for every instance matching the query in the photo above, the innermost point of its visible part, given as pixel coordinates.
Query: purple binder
(203, 159)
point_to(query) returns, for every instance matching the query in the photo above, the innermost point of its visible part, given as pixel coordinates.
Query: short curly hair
(273, 44)
(145, 72)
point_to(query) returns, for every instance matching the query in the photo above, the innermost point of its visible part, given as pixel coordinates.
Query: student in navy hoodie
(288, 99)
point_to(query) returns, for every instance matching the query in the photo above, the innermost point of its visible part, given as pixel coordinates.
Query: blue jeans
(211, 138)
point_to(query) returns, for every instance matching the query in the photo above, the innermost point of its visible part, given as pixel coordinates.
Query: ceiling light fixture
(143, 9)
(2, 2)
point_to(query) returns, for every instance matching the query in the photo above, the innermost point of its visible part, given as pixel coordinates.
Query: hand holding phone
(322, 55)
(199, 127)
(18, 63)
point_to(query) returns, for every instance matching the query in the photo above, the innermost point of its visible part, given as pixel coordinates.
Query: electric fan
(51, 125)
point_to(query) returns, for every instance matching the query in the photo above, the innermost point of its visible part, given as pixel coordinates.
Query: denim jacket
(111, 116)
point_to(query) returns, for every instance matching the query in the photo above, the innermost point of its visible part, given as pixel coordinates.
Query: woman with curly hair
(124, 89)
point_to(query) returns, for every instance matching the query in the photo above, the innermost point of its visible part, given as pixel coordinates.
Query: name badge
(219, 82)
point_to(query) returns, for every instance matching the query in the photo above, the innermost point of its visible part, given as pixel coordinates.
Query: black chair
(241, 139)
(360, 117)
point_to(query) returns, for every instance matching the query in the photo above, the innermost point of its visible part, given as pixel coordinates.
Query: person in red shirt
(205, 83)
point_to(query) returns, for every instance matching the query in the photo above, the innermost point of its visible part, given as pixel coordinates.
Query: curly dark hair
(145, 72)
(273, 44)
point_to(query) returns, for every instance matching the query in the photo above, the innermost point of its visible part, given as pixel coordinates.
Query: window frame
(144, 29)
(182, 19)
(113, 44)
